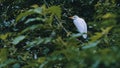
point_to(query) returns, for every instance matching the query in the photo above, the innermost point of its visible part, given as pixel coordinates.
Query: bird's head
(74, 17)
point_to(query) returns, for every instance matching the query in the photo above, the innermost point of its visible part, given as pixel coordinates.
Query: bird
(80, 25)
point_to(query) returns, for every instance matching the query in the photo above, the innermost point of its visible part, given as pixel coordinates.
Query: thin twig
(61, 24)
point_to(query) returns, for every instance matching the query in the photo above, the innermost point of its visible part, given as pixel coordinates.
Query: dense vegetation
(39, 34)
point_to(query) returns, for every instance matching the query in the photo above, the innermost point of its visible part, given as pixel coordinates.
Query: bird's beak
(70, 17)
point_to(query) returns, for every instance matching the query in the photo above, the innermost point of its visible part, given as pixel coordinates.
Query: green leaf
(38, 10)
(55, 10)
(91, 44)
(98, 35)
(34, 19)
(2, 1)
(3, 55)
(38, 41)
(7, 62)
(108, 15)
(47, 40)
(16, 65)
(31, 28)
(34, 43)
(22, 15)
(41, 59)
(27, 13)
(18, 39)
(106, 31)
(4, 36)
(35, 6)
(50, 20)
(76, 35)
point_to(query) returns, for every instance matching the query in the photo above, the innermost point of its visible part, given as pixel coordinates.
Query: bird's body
(80, 25)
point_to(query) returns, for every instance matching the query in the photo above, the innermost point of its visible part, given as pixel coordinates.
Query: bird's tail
(84, 36)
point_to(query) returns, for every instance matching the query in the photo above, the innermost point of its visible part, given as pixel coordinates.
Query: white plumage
(80, 25)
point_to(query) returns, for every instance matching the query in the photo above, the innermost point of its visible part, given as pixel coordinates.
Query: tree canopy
(39, 34)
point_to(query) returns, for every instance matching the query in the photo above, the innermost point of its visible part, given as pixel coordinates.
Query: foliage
(40, 35)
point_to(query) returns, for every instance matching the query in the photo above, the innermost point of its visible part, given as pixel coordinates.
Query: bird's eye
(75, 17)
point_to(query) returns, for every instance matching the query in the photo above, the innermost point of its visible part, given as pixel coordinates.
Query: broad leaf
(91, 44)
(18, 39)
(4, 36)
(29, 12)
(56, 10)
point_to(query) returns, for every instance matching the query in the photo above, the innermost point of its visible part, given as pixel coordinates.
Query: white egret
(80, 25)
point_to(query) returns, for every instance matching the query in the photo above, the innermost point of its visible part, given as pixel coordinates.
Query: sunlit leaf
(60, 42)
(108, 15)
(18, 39)
(91, 44)
(69, 33)
(47, 40)
(21, 15)
(3, 55)
(44, 8)
(4, 36)
(106, 31)
(35, 6)
(56, 10)
(98, 35)
(34, 19)
(29, 12)
(38, 10)
(31, 28)
(41, 59)
(50, 20)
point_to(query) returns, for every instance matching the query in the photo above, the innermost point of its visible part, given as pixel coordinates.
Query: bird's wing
(85, 29)
(81, 26)
(85, 26)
